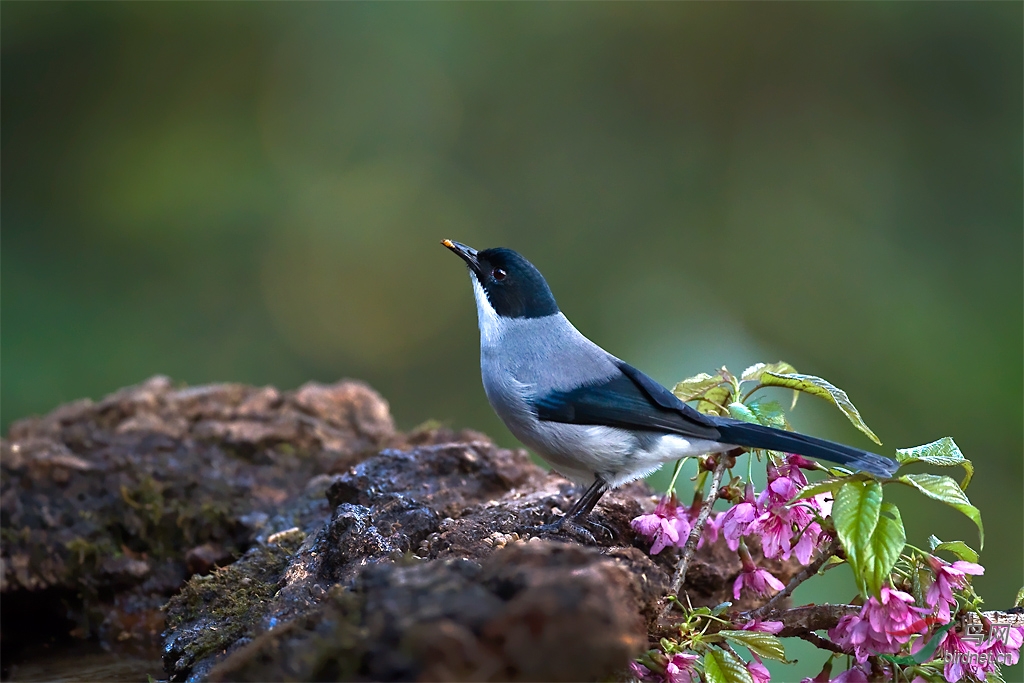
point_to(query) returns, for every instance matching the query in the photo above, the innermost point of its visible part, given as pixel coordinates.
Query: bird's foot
(582, 529)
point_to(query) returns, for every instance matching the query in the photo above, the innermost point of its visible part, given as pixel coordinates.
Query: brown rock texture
(296, 536)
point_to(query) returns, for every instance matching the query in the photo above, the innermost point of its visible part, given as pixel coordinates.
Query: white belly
(583, 452)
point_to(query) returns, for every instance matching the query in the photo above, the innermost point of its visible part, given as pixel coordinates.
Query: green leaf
(1020, 598)
(995, 676)
(934, 673)
(946, 490)
(696, 386)
(855, 512)
(739, 411)
(721, 396)
(762, 644)
(816, 386)
(887, 542)
(823, 486)
(753, 372)
(829, 563)
(943, 453)
(958, 548)
(722, 667)
(769, 413)
(928, 651)
(781, 367)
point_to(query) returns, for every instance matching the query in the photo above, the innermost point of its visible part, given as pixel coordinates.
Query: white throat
(491, 324)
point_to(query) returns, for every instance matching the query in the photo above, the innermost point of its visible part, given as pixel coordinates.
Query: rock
(423, 569)
(155, 482)
(320, 543)
(203, 558)
(538, 611)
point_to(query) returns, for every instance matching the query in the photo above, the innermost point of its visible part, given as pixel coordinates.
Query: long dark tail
(752, 435)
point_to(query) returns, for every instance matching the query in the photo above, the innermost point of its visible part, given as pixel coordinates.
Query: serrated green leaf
(816, 386)
(696, 386)
(946, 490)
(886, 544)
(762, 644)
(1020, 598)
(943, 453)
(755, 371)
(722, 667)
(960, 549)
(855, 512)
(739, 411)
(717, 396)
(769, 413)
(823, 486)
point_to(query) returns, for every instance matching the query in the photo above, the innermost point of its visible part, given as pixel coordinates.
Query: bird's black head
(514, 287)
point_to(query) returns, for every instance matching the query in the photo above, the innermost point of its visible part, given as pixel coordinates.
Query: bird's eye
(498, 274)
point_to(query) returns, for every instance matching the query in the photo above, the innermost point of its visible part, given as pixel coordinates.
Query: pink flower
(882, 627)
(734, 522)
(823, 501)
(780, 491)
(960, 657)
(947, 577)
(758, 580)
(758, 671)
(680, 669)
(822, 676)
(791, 469)
(642, 673)
(711, 527)
(772, 627)
(1003, 649)
(667, 525)
(779, 523)
(855, 674)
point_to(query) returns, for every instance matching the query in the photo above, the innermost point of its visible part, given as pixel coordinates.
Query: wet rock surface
(321, 544)
(107, 507)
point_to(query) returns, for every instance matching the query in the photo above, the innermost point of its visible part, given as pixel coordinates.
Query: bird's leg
(575, 519)
(585, 503)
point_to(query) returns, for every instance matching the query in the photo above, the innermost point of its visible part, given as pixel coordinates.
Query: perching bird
(592, 417)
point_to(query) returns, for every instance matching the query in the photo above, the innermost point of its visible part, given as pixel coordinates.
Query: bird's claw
(573, 527)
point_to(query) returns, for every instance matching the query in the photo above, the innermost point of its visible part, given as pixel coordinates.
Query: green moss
(15, 536)
(203, 522)
(84, 556)
(231, 597)
(164, 522)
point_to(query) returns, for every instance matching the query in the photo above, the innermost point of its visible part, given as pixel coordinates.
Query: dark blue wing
(630, 400)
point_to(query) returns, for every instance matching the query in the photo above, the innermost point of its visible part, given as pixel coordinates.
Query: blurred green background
(255, 193)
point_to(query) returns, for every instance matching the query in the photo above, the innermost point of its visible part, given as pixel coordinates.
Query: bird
(592, 417)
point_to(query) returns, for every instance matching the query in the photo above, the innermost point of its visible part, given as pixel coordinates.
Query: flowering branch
(807, 572)
(808, 618)
(698, 526)
(910, 599)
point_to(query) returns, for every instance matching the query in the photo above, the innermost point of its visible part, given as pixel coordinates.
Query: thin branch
(698, 527)
(797, 620)
(823, 643)
(806, 573)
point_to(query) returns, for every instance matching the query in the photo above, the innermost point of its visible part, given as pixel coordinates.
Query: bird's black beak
(467, 254)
